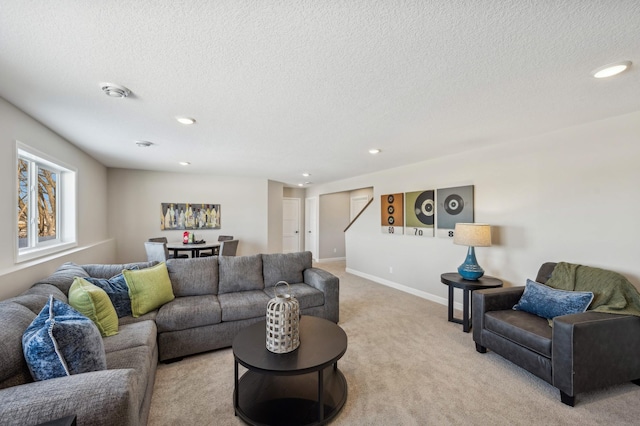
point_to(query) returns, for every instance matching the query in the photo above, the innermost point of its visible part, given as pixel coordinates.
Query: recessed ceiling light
(144, 144)
(374, 151)
(306, 174)
(611, 69)
(115, 90)
(184, 163)
(186, 120)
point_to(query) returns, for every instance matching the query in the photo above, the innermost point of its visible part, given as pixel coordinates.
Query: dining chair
(228, 247)
(164, 240)
(216, 250)
(156, 251)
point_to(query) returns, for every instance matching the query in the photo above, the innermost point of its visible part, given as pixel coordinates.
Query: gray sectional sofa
(215, 298)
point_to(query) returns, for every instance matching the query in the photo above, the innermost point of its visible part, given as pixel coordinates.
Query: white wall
(334, 218)
(93, 243)
(571, 195)
(274, 209)
(135, 197)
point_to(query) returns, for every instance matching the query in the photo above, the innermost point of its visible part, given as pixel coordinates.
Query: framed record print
(392, 213)
(420, 209)
(454, 205)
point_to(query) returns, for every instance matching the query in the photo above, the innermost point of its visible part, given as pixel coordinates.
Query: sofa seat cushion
(307, 296)
(141, 333)
(525, 329)
(243, 305)
(189, 312)
(141, 360)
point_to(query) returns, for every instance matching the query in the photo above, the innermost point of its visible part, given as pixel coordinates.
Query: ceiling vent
(115, 90)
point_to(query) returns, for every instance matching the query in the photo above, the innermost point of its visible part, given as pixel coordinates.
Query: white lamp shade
(472, 234)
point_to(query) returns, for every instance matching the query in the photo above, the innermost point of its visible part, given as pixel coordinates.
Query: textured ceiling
(284, 87)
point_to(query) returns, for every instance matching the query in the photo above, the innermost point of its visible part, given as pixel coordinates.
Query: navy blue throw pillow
(61, 341)
(547, 302)
(117, 290)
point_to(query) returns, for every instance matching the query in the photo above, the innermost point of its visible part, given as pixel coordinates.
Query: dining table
(193, 248)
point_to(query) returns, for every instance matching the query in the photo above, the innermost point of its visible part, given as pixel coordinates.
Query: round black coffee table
(302, 387)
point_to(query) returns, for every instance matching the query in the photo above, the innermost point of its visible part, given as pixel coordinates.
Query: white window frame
(66, 209)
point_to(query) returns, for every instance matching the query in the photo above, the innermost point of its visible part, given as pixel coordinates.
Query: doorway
(290, 225)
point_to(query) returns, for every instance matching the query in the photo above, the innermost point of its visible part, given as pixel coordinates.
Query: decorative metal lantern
(283, 321)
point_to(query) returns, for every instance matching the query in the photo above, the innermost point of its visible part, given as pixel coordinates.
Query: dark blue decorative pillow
(547, 302)
(117, 290)
(60, 342)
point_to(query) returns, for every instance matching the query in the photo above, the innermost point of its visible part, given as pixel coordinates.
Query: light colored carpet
(405, 365)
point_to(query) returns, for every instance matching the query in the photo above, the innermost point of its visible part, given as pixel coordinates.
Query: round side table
(454, 280)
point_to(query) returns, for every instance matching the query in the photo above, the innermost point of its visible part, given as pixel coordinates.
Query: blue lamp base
(470, 270)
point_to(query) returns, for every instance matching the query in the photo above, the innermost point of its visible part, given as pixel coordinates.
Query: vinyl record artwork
(392, 213)
(420, 212)
(454, 205)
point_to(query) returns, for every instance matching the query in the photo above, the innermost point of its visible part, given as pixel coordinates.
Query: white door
(290, 225)
(311, 226)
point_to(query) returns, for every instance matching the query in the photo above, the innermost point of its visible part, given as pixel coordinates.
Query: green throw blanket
(612, 292)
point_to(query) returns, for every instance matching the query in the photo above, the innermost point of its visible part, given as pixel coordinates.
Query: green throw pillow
(149, 288)
(94, 303)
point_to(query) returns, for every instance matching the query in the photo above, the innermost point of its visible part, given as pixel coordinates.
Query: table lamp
(472, 235)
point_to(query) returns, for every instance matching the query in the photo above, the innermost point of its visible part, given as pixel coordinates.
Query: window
(46, 205)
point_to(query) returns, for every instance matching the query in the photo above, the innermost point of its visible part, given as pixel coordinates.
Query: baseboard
(331, 259)
(406, 289)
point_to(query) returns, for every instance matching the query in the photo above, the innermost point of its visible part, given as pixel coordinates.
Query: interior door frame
(311, 226)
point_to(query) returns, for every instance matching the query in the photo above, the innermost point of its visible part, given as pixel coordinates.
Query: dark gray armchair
(581, 352)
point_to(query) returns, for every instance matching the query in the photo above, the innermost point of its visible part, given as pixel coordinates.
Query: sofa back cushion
(98, 270)
(240, 273)
(64, 275)
(14, 320)
(287, 267)
(194, 276)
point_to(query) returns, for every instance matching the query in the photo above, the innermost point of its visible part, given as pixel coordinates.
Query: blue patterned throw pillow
(117, 290)
(60, 342)
(547, 302)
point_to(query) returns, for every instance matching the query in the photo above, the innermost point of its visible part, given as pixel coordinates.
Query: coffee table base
(290, 400)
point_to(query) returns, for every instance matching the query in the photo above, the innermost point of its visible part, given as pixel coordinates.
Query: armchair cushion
(546, 302)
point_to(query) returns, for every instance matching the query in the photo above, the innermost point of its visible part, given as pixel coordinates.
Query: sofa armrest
(592, 350)
(329, 284)
(491, 299)
(98, 398)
